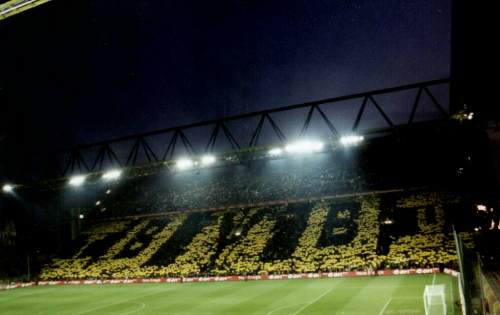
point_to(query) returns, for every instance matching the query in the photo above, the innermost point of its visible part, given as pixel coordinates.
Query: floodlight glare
(238, 231)
(77, 180)
(275, 152)
(8, 188)
(112, 175)
(184, 164)
(349, 140)
(208, 159)
(81, 216)
(304, 146)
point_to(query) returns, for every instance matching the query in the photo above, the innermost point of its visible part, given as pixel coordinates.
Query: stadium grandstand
(329, 208)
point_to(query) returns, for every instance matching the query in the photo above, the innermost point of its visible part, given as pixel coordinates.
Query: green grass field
(362, 295)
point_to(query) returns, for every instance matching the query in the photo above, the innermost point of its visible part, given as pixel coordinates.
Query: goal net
(435, 299)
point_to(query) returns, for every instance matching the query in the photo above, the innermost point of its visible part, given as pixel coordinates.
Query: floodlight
(81, 216)
(304, 146)
(238, 231)
(112, 175)
(8, 188)
(108, 191)
(388, 221)
(348, 140)
(481, 207)
(184, 164)
(275, 152)
(77, 180)
(98, 202)
(208, 159)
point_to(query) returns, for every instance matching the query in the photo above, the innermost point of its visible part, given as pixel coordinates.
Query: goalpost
(435, 299)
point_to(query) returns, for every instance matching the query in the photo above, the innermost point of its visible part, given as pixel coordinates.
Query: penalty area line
(385, 306)
(143, 306)
(154, 292)
(313, 301)
(282, 308)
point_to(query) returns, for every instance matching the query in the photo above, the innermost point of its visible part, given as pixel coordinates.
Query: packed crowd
(260, 181)
(336, 236)
(373, 166)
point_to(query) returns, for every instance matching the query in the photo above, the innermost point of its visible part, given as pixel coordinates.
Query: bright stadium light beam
(275, 152)
(184, 164)
(304, 146)
(112, 175)
(8, 188)
(349, 140)
(77, 180)
(208, 160)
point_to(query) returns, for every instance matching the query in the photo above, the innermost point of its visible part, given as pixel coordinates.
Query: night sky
(77, 71)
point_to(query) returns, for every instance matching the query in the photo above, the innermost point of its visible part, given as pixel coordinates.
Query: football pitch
(342, 296)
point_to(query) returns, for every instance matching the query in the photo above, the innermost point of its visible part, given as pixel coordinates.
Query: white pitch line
(385, 306)
(434, 279)
(452, 298)
(119, 302)
(143, 306)
(378, 287)
(313, 301)
(10, 298)
(282, 307)
(406, 298)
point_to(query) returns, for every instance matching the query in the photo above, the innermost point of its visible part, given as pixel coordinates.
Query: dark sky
(77, 71)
